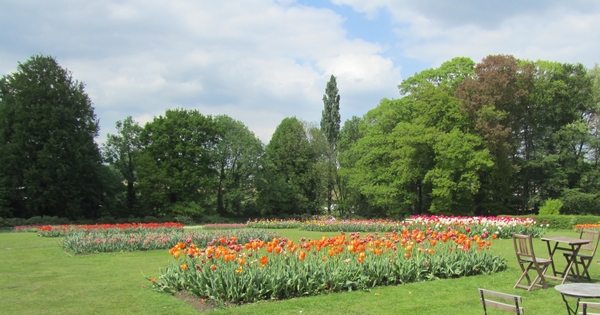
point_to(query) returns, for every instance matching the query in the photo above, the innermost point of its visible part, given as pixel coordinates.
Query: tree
(535, 120)
(237, 159)
(418, 153)
(330, 118)
(451, 73)
(496, 103)
(288, 187)
(48, 157)
(176, 170)
(121, 151)
(351, 200)
(330, 126)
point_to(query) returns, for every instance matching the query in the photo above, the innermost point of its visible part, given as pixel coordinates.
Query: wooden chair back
(510, 302)
(585, 306)
(524, 247)
(593, 237)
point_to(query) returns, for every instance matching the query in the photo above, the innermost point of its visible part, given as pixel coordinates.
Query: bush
(577, 202)
(14, 221)
(551, 207)
(184, 219)
(555, 221)
(215, 219)
(566, 221)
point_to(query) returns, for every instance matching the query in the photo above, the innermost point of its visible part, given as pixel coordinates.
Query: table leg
(551, 253)
(574, 251)
(569, 309)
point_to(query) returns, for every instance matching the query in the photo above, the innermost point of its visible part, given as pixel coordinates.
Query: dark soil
(197, 303)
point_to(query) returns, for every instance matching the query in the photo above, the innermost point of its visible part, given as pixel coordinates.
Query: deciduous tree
(121, 151)
(289, 187)
(176, 171)
(237, 159)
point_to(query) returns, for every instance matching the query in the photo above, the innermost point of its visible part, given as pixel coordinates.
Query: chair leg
(585, 264)
(539, 281)
(523, 276)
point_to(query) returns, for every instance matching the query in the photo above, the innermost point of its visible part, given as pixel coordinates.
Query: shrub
(184, 219)
(577, 202)
(551, 207)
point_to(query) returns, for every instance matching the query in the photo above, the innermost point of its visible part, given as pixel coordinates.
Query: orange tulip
(302, 255)
(361, 257)
(184, 267)
(213, 267)
(264, 260)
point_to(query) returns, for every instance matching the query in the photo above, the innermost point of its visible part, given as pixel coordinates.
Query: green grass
(38, 277)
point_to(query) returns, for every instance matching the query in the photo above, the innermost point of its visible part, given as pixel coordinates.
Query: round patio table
(578, 291)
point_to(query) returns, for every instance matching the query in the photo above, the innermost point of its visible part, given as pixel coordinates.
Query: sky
(260, 61)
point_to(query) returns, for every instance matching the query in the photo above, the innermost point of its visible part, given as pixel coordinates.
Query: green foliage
(551, 207)
(176, 167)
(288, 186)
(121, 152)
(450, 73)
(48, 158)
(577, 202)
(330, 118)
(238, 157)
(330, 127)
(415, 154)
(556, 221)
(564, 222)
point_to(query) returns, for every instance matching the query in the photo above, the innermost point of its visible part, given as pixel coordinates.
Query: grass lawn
(38, 277)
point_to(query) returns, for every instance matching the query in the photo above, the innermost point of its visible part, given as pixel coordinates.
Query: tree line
(502, 136)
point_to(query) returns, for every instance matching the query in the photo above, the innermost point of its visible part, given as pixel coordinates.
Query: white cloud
(437, 31)
(256, 61)
(260, 61)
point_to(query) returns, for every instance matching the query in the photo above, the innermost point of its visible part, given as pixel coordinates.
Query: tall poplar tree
(330, 126)
(330, 118)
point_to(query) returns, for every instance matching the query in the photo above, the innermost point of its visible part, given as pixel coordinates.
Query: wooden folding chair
(585, 306)
(585, 255)
(528, 262)
(515, 300)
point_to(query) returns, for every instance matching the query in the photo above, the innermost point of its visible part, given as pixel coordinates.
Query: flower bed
(83, 242)
(67, 229)
(502, 227)
(587, 226)
(223, 226)
(239, 272)
(274, 224)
